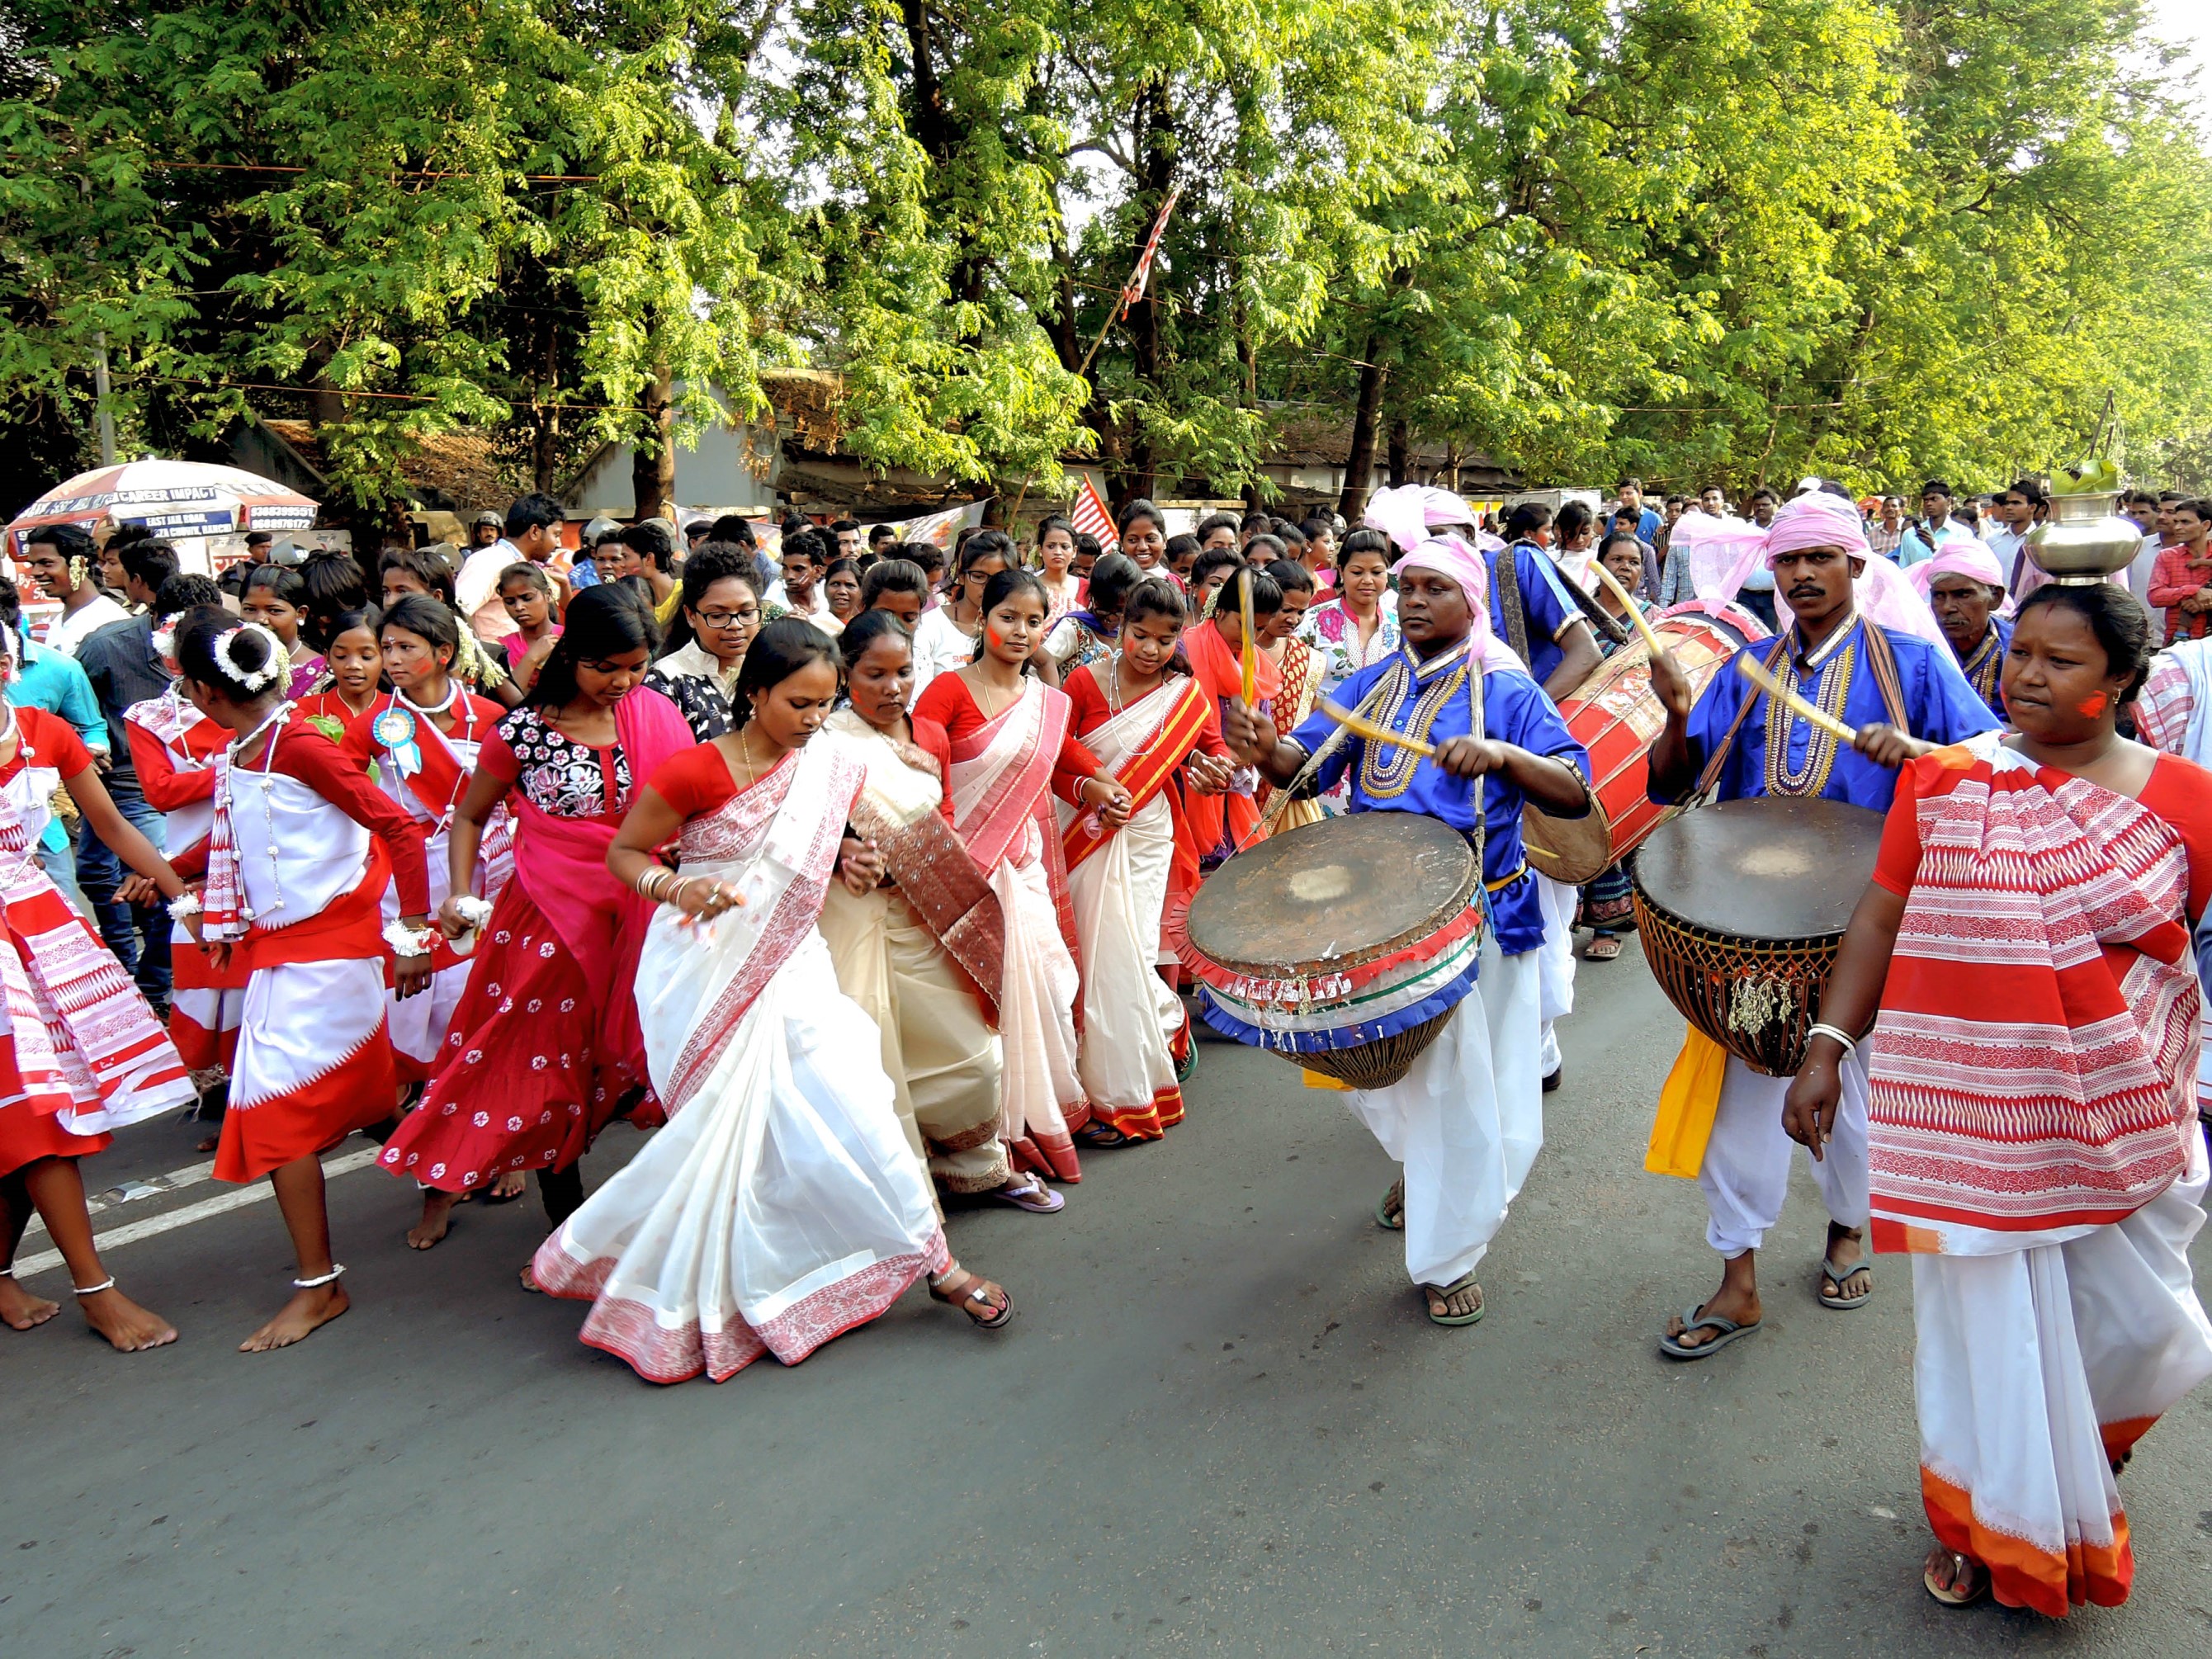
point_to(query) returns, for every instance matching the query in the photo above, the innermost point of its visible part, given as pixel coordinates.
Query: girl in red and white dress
(354, 667)
(545, 1049)
(81, 1053)
(173, 750)
(1011, 752)
(302, 851)
(420, 741)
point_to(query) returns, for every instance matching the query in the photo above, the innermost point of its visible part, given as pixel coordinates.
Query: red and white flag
(1136, 290)
(1090, 518)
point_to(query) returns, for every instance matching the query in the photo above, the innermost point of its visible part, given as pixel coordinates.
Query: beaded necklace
(1386, 770)
(1830, 688)
(1984, 668)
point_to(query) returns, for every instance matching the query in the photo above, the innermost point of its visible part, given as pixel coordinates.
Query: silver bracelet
(1821, 1029)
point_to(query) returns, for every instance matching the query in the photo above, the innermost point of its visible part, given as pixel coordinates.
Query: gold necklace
(746, 758)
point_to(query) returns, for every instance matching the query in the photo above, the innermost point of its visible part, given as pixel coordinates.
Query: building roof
(459, 470)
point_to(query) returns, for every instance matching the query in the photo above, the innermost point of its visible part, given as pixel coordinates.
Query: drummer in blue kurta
(1466, 1121)
(1905, 696)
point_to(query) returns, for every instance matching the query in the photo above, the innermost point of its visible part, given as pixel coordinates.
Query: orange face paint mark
(992, 637)
(2093, 705)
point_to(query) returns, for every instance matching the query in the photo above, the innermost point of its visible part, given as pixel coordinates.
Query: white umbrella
(170, 498)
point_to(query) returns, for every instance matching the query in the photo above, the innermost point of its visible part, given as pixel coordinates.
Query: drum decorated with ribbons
(1742, 906)
(1342, 945)
(1616, 715)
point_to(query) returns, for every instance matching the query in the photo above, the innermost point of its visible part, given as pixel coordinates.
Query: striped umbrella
(170, 498)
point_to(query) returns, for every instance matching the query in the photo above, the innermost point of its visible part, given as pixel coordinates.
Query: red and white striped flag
(1136, 290)
(1090, 517)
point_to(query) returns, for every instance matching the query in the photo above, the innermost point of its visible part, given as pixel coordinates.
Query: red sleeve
(303, 752)
(54, 741)
(192, 864)
(930, 735)
(1090, 709)
(1210, 741)
(357, 746)
(497, 758)
(1075, 765)
(165, 787)
(2180, 791)
(1898, 860)
(947, 700)
(694, 782)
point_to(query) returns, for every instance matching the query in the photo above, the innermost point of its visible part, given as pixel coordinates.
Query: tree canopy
(1725, 239)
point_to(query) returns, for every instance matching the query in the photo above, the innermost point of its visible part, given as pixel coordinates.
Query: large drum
(1742, 906)
(1616, 715)
(1343, 946)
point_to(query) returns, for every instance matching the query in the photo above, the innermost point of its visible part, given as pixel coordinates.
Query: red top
(2175, 575)
(1093, 711)
(697, 780)
(165, 788)
(473, 719)
(49, 740)
(304, 754)
(2177, 792)
(328, 705)
(948, 704)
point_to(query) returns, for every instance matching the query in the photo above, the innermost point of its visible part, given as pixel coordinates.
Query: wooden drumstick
(1796, 705)
(1361, 726)
(1612, 583)
(1249, 655)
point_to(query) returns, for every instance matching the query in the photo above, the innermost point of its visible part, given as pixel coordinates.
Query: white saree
(781, 1206)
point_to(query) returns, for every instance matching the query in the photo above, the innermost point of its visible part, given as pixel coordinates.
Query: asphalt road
(1221, 1424)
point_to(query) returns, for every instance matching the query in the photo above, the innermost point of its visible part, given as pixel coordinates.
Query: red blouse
(947, 704)
(1093, 711)
(165, 788)
(49, 740)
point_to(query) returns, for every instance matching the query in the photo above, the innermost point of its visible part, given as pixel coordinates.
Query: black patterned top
(560, 777)
(696, 697)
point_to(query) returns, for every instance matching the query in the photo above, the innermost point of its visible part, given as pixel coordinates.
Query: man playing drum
(1466, 1121)
(1906, 695)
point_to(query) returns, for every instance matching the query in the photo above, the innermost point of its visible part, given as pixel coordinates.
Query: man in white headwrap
(1466, 1121)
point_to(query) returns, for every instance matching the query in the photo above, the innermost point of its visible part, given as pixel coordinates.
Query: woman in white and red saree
(781, 1206)
(419, 742)
(173, 750)
(297, 861)
(545, 1050)
(2023, 956)
(81, 1053)
(1011, 752)
(920, 953)
(1146, 723)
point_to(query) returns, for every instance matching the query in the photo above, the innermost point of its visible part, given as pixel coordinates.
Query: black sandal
(974, 1297)
(1104, 1137)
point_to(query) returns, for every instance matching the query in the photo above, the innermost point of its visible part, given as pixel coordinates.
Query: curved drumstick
(1635, 615)
(1795, 704)
(1373, 731)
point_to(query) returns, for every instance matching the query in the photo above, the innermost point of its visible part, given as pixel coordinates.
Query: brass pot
(2084, 540)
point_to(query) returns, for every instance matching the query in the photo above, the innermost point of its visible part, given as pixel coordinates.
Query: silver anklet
(106, 1284)
(316, 1284)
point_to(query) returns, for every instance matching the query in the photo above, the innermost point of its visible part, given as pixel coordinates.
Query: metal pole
(100, 389)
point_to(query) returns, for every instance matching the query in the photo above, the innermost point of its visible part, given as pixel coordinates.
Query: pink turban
(1722, 552)
(1817, 519)
(1408, 513)
(1450, 556)
(1958, 555)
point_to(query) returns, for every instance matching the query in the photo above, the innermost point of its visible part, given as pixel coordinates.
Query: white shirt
(818, 613)
(71, 628)
(940, 645)
(476, 590)
(2138, 574)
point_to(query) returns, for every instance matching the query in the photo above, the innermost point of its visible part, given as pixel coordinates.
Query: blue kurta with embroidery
(1939, 707)
(1983, 666)
(1544, 601)
(1435, 706)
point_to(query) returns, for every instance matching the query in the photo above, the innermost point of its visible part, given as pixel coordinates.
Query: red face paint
(2092, 705)
(992, 637)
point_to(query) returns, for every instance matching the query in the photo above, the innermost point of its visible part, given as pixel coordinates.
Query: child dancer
(355, 668)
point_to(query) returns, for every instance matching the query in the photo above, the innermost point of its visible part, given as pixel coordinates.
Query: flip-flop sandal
(1033, 1196)
(1383, 1209)
(1103, 1136)
(1950, 1597)
(1464, 1282)
(1693, 1320)
(972, 1299)
(1843, 1303)
(1605, 947)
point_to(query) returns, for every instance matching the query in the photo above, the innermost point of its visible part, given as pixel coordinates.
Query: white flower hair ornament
(226, 655)
(165, 636)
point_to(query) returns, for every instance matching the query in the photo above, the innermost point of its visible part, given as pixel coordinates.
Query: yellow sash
(1686, 1105)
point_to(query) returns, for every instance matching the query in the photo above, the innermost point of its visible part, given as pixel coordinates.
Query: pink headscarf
(1960, 556)
(1407, 513)
(1722, 552)
(1450, 557)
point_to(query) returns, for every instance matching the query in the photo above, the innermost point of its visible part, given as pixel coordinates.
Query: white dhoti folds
(1556, 957)
(1746, 1174)
(1468, 1121)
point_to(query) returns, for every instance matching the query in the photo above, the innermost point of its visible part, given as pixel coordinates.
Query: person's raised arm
(650, 824)
(1674, 768)
(1252, 740)
(1579, 661)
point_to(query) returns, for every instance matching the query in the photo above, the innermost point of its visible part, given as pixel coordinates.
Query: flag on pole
(1090, 517)
(939, 529)
(1135, 291)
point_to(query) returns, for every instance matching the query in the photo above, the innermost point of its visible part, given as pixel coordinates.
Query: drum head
(1572, 850)
(1777, 868)
(1341, 891)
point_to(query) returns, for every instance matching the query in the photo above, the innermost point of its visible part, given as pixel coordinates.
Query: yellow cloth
(1686, 1105)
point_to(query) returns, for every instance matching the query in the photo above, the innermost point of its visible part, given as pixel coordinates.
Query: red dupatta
(2050, 1090)
(1145, 775)
(1219, 673)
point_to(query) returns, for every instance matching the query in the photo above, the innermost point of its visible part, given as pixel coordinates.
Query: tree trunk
(546, 446)
(1400, 476)
(653, 466)
(1359, 464)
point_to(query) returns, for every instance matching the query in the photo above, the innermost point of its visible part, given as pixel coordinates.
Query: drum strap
(1510, 610)
(1880, 658)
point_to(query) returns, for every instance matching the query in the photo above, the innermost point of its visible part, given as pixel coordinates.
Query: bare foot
(529, 1280)
(437, 1218)
(128, 1328)
(1740, 1306)
(20, 1310)
(299, 1318)
(511, 1185)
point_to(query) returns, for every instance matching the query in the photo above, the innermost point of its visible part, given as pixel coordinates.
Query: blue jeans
(99, 873)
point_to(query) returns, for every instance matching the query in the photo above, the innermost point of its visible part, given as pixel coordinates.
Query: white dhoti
(1556, 958)
(1468, 1121)
(2034, 1369)
(1746, 1174)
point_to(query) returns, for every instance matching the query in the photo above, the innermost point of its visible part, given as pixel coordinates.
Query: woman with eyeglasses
(721, 614)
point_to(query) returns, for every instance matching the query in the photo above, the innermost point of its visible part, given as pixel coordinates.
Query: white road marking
(153, 1187)
(221, 1204)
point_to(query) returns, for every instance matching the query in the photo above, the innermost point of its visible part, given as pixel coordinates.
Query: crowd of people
(484, 850)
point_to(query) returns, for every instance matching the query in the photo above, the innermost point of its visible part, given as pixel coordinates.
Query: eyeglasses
(718, 619)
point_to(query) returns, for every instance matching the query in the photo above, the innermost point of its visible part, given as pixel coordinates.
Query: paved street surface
(1220, 1424)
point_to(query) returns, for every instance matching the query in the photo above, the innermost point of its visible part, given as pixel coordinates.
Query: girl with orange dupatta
(1145, 723)
(1297, 671)
(1230, 820)
(1011, 750)
(2024, 957)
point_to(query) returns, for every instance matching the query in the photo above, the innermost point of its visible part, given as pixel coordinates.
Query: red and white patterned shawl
(1001, 777)
(2033, 1070)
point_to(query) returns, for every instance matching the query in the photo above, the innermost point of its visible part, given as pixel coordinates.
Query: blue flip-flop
(1693, 1320)
(1841, 1276)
